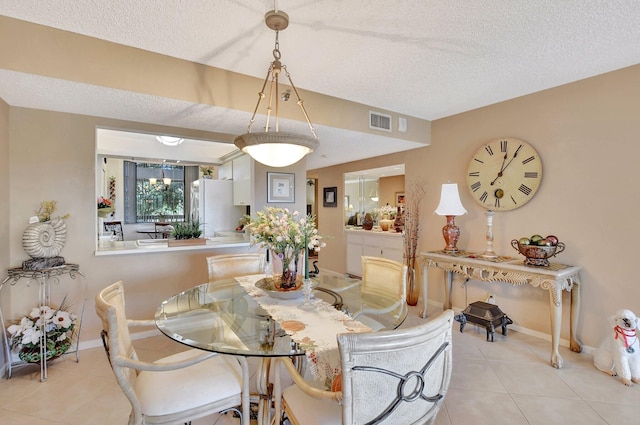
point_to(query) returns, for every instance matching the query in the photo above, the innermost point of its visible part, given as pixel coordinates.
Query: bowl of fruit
(538, 249)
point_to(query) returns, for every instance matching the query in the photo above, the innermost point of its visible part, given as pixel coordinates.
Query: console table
(555, 278)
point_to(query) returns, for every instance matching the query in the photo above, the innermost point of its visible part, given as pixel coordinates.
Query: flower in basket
(103, 202)
(26, 335)
(286, 234)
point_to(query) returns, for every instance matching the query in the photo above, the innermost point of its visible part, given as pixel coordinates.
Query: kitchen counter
(144, 246)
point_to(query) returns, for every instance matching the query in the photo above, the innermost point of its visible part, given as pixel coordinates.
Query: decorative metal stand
(44, 278)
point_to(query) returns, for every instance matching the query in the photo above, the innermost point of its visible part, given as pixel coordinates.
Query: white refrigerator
(212, 204)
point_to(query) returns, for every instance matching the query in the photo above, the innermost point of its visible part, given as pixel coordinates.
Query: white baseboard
(526, 331)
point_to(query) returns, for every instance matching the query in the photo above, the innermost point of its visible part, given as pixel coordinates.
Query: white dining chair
(388, 377)
(227, 266)
(383, 290)
(175, 389)
(232, 265)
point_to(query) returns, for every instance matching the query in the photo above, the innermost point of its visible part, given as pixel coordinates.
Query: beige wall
(69, 56)
(53, 157)
(4, 184)
(587, 134)
(389, 186)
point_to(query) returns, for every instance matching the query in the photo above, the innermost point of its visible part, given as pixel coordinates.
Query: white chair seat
(310, 411)
(173, 390)
(168, 392)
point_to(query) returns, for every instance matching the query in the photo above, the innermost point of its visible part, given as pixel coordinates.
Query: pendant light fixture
(169, 141)
(373, 195)
(273, 147)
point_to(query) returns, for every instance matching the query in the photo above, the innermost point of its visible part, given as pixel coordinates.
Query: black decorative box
(484, 314)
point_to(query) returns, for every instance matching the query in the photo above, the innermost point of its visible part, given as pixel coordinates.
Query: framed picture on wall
(281, 187)
(400, 199)
(330, 198)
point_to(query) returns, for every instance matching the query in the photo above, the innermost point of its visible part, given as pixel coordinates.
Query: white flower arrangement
(26, 335)
(387, 209)
(282, 230)
(287, 234)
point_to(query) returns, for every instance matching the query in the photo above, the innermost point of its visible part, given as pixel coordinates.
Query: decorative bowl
(268, 286)
(537, 255)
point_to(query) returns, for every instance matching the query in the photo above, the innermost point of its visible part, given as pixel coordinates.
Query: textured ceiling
(424, 58)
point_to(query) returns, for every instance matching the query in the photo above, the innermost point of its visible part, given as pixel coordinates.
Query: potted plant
(105, 207)
(187, 233)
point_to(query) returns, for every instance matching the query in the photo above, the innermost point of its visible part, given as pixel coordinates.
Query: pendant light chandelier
(169, 141)
(274, 148)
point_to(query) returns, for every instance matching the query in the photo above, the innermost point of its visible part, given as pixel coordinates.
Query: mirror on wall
(367, 191)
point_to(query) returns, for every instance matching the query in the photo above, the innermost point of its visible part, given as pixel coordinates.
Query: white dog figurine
(619, 353)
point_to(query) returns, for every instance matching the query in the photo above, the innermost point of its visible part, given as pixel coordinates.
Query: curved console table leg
(574, 342)
(448, 283)
(425, 290)
(555, 309)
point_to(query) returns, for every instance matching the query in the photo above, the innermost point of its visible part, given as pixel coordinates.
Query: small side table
(45, 279)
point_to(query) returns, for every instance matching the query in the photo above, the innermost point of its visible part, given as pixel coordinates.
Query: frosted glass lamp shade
(169, 141)
(275, 149)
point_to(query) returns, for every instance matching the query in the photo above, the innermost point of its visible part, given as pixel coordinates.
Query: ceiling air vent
(379, 121)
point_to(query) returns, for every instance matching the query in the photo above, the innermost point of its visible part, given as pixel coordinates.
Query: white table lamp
(450, 206)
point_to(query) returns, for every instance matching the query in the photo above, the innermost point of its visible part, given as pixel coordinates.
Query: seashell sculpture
(45, 239)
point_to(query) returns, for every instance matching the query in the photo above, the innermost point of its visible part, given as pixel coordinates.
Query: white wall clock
(504, 174)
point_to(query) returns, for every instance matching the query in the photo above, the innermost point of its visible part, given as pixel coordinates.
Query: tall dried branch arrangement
(415, 195)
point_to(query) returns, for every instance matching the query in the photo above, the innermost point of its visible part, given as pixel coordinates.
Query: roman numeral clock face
(504, 174)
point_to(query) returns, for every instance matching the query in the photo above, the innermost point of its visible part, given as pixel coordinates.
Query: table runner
(315, 330)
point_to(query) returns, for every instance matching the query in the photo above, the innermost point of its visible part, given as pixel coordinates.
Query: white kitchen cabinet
(243, 180)
(354, 253)
(225, 171)
(371, 244)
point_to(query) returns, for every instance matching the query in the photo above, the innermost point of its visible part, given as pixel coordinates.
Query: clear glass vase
(413, 289)
(287, 269)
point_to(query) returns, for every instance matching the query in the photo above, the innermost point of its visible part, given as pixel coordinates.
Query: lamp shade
(169, 141)
(450, 203)
(276, 149)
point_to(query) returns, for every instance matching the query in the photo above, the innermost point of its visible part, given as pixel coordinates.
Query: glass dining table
(232, 317)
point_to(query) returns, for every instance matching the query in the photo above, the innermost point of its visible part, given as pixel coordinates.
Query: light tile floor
(506, 382)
